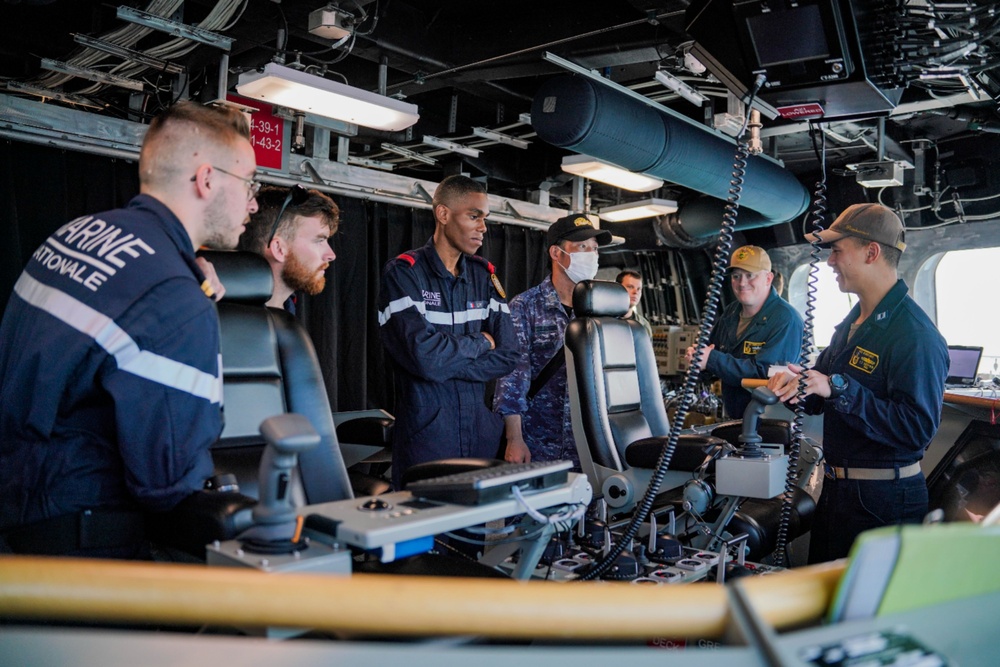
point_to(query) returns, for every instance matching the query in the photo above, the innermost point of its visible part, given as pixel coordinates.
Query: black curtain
(42, 188)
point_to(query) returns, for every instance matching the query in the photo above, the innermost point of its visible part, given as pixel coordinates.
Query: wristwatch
(838, 385)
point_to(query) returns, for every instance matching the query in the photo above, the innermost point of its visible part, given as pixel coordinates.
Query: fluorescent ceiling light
(646, 208)
(291, 88)
(605, 172)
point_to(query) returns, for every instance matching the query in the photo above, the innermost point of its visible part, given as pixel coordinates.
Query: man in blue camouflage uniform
(444, 320)
(540, 429)
(110, 386)
(758, 330)
(879, 385)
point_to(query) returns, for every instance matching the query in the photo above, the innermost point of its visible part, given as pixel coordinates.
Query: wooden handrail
(984, 402)
(106, 591)
(753, 383)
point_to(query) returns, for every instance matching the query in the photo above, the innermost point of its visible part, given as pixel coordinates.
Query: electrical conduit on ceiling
(581, 115)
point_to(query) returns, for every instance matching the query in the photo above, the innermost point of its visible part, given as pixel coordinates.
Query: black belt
(87, 530)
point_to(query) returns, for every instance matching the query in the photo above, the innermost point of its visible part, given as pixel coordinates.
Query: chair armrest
(369, 430)
(201, 518)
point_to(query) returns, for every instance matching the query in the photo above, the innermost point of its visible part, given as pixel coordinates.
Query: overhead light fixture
(645, 208)
(681, 88)
(605, 172)
(291, 88)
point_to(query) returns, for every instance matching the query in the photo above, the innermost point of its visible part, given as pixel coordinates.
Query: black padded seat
(617, 382)
(269, 367)
(689, 455)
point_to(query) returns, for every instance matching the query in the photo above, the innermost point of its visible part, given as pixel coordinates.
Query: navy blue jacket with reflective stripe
(431, 324)
(110, 389)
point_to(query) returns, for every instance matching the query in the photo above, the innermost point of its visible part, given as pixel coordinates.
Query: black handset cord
(817, 215)
(720, 263)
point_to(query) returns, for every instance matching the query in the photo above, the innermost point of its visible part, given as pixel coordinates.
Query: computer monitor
(963, 364)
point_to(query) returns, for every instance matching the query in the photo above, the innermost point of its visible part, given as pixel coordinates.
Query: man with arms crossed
(444, 320)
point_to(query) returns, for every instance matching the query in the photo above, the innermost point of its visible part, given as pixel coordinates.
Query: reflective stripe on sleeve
(441, 317)
(116, 342)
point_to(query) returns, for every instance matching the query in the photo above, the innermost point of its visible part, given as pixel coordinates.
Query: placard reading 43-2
(267, 132)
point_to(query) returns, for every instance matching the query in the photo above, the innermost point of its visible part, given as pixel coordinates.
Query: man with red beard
(291, 230)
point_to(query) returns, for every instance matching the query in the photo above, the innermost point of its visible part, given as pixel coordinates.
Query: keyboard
(487, 485)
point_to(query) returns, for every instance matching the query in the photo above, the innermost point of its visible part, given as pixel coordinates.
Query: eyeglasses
(296, 196)
(253, 187)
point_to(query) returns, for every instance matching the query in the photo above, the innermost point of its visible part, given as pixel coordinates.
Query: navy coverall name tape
(117, 343)
(438, 317)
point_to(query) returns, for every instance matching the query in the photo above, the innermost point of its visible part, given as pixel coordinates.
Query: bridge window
(966, 312)
(831, 305)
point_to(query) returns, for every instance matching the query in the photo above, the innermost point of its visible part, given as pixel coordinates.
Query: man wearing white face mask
(533, 399)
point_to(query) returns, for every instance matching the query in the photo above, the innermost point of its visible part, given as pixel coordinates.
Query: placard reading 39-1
(267, 132)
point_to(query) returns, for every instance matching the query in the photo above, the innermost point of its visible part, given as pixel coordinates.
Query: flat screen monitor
(963, 364)
(788, 36)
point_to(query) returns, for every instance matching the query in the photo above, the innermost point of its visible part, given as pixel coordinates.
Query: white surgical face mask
(582, 265)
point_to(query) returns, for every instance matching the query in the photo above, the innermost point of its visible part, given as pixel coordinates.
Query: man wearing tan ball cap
(758, 330)
(871, 222)
(879, 386)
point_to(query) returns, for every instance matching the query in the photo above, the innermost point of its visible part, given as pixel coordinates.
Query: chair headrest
(245, 275)
(599, 298)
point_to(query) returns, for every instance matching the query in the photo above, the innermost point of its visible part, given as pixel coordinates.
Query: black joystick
(665, 549)
(593, 533)
(625, 568)
(760, 398)
(275, 519)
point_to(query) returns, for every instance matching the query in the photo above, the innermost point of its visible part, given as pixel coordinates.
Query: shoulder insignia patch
(497, 285)
(483, 261)
(408, 258)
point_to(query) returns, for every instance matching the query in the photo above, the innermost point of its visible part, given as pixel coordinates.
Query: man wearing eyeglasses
(110, 386)
(291, 230)
(444, 321)
(757, 331)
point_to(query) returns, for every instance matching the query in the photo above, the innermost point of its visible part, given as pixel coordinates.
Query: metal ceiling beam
(175, 28)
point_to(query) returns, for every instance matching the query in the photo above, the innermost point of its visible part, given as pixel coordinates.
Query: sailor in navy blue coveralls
(879, 385)
(758, 330)
(110, 378)
(432, 324)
